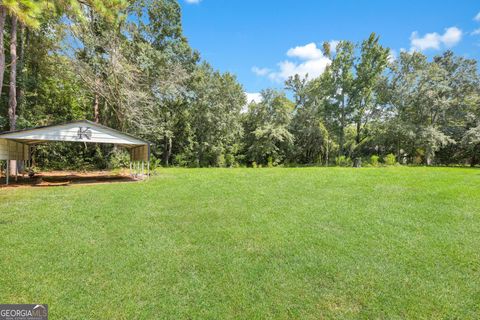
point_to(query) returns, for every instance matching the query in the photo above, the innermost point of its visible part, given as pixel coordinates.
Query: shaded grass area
(280, 243)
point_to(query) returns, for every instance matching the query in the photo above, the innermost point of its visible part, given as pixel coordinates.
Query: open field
(249, 243)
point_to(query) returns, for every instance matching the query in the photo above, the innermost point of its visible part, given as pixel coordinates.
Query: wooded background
(127, 65)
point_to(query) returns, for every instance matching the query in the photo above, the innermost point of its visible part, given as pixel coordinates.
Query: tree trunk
(342, 125)
(167, 150)
(326, 155)
(96, 110)
(428, 159)
(359, 130)
(342, 136)
(3, 15)
(21, 60)
(473, 159)
(12, 99)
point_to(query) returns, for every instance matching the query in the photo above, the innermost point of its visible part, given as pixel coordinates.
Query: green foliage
(270, 162)
(266, 128)
(374, 160)
(119, 159)
(390, 159)
(140, 75)
(343, 161)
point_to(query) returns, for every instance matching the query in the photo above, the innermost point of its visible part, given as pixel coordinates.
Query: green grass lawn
(309, 243)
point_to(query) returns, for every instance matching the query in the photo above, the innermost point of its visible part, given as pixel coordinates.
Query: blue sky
(264, 41)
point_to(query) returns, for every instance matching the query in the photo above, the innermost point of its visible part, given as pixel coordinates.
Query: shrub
(374, 160)
(155, 163)
(343, 161)
(221, 160)
(119, 159)
(230, 160)
(254, 164)
(390, 159)
(270, 162)
(181, 160)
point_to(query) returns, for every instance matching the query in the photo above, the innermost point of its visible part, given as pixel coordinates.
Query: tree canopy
(128, 65)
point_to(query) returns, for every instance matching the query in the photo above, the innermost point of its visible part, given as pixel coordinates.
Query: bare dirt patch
(66, 178)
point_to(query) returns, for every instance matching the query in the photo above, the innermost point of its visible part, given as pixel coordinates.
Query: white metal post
(8, 171)
(149, 154)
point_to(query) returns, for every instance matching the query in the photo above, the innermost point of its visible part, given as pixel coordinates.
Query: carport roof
(75, 131)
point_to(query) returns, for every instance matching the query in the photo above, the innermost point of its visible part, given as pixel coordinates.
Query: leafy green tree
(310, 134)
(337, 84)
(368, 71)
(215, 117)
(471, 142)
(266, 128)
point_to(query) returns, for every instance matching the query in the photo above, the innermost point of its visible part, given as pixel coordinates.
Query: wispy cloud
(475, 32)
(477, 17)
(433, 40)
(307, 59)
(193, 1)
(260, 71)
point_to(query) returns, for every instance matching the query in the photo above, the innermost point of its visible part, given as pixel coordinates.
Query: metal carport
(15, 145)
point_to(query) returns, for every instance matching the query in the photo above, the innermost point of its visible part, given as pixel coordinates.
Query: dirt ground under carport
(67, 178)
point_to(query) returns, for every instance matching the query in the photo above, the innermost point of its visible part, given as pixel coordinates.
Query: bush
(343, 161)
(390, 159)
(230, 160)
(181, 160)
(270, 162)
(221, 160)
(155, 163)
(119, 159)
(254, 164)
(374, 160)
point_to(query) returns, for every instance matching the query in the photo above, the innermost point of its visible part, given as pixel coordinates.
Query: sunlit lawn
(249, 243)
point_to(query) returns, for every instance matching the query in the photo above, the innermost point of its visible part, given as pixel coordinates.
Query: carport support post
(8, 171)
(148, 161)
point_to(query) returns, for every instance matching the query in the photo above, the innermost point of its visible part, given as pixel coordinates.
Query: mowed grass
(310, 243)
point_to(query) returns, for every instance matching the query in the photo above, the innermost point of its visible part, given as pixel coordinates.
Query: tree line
(127, 65)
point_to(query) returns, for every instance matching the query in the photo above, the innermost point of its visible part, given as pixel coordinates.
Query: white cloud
(260, 71)
(306, 52)
(333, 45)
(253, 96)
(193, 1)
(313, 68)
(392, 56)
(477, 17)
(452, 36)
(312, 62)
(475, 32)
(433, 40)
